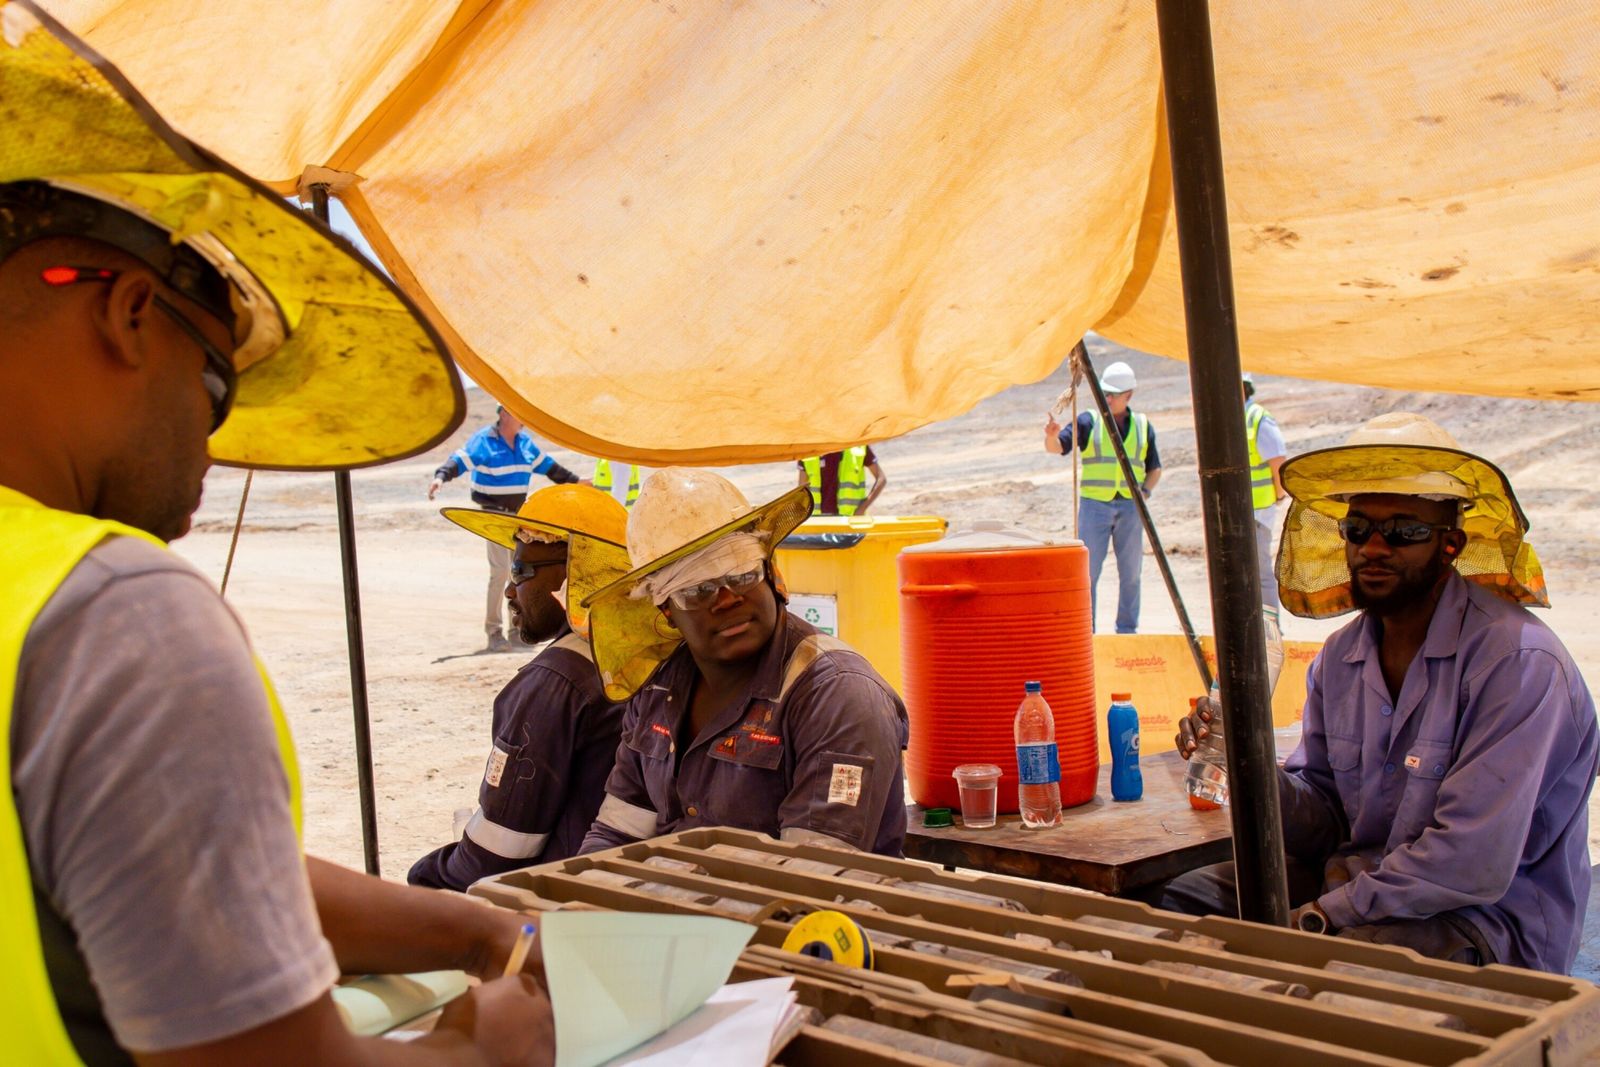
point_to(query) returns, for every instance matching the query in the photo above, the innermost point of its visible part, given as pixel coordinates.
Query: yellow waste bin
(840, 570)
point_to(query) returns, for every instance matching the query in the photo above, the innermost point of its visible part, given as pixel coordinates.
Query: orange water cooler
(981, 612)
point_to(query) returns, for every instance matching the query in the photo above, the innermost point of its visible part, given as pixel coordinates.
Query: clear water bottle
(1122, 730)
(1038, 763)
(1206, 778)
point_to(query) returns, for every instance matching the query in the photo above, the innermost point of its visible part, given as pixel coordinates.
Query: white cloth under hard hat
(1117, 378)
(734, 554)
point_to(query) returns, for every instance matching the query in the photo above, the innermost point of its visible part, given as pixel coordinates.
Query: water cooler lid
(989, 535)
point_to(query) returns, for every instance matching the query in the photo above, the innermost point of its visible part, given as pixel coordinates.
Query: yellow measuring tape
(830, 935)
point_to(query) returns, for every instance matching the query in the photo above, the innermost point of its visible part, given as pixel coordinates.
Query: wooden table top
(1103, 845)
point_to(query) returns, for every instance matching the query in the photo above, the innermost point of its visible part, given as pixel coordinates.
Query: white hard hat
(1117, 378)
(676, 506)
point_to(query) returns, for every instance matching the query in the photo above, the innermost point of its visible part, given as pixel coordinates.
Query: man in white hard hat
(555, 733)
(1107, 515)
(1439, 796)
(742, 714)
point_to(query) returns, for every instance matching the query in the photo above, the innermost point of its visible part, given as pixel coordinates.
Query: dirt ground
(422, 579)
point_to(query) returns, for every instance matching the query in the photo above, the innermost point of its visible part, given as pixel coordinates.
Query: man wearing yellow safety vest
(154, 903)
(1107, 515)
(838, 481)
(606, 482)
(1267, 452)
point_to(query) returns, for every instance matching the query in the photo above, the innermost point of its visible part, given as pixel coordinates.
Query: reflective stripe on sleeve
(799, 835)
(627, 818)
(501, 841)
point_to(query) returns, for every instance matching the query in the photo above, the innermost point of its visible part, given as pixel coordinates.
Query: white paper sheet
(733, 1028)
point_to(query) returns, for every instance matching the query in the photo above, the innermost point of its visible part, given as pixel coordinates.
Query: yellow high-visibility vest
(1262, 493)
(41, 547)
(603, 480)
(852, 480)
(1102, 475)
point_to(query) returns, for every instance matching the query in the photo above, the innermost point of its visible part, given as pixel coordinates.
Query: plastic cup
(979, 786)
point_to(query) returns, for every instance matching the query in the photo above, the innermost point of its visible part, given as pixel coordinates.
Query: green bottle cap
(938, 817)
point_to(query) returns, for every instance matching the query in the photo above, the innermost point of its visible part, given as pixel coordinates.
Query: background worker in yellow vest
(838, 481)
(1267, 453)
(606, 481)
(155, 906)
(1107, 516)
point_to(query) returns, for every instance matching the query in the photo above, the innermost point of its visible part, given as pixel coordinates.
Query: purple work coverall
(1471, 788)
(810, 752)
(555, 735)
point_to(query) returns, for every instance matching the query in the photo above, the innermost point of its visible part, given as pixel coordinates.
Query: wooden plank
(1103, 845)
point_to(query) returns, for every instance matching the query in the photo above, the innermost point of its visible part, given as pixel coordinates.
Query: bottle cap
(1194, 702)
(938, 817)
(1031, 687)
(1121, 696)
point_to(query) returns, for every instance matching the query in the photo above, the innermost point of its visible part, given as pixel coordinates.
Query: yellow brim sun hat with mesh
(337, 368)
(679, 512)
(592, 523)
(1409, 455)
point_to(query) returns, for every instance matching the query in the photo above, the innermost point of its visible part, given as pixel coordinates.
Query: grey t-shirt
(154, 804)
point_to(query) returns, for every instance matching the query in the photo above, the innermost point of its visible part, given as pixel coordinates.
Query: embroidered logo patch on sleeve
(845, 786)
(495, 767)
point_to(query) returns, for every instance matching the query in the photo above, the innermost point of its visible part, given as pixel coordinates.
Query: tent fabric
(715, 233)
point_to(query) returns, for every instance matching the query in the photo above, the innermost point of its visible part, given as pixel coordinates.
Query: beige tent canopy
(710, 232)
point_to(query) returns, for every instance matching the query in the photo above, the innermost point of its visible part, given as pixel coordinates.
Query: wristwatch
(1313, 920)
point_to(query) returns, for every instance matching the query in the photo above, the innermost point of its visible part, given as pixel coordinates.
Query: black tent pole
(1189, 82)
(1195, 650)
(352, 627)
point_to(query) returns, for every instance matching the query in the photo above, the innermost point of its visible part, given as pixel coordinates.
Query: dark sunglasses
(1358, 530)
(522, 570)
(219, 376)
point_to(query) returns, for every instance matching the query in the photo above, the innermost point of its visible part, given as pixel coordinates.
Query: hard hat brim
(501, 528)
(360, 377)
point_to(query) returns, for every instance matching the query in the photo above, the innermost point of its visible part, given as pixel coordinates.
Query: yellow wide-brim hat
(679, 512)
(340, 369)
(1409, 455)
(592, 523)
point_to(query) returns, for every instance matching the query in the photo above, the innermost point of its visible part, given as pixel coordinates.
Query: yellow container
(841, 575)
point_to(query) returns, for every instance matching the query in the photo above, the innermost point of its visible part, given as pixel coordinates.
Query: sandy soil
(422, 578)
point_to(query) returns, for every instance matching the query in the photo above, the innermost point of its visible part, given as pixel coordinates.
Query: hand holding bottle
(1195, 727)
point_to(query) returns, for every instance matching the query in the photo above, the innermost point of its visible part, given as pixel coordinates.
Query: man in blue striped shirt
(499, 460)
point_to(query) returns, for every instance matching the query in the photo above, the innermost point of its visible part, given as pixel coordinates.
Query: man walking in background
(500, 460)
(1107, 515)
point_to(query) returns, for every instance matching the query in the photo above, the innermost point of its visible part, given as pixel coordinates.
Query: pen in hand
(519, 951)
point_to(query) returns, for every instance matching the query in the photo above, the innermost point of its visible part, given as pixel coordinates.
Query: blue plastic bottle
(1122, 727)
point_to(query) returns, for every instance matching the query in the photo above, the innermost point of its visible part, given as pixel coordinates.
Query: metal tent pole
(353, 635)
(1144, 517)
(1189, 82)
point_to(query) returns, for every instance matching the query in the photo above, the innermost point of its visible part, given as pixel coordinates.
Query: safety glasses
(703, 594)
(1358, 530)
(219, 376)
(521, 571)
